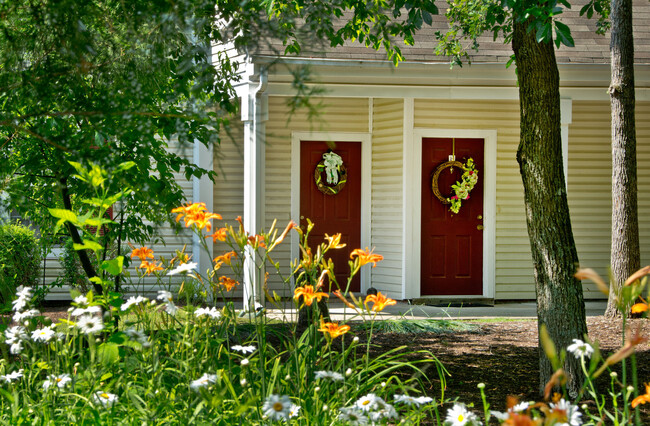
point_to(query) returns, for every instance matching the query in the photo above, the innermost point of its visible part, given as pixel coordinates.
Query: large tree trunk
(625, 255)
(560, 304)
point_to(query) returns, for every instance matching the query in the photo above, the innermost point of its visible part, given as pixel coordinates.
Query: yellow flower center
(366, 402)
(105, 396)
(58, 379)
(278, 406)
(461, 418)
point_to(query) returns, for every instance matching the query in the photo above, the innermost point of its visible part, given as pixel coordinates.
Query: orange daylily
(220, 234)
(257, 241)
(639, 308)
(229, 283)
(366, 256)
(334, 241)
(291, 225)
(196, 213)
(333, 329)
(379, 301)
(226, 258)
(642, 399)
(142, 253)
(308, 294)
(150, 267)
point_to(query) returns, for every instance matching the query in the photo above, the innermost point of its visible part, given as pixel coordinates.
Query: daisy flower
(203, 381)
(411, 400)
(183, 267)
(332, 375)
(60, 381)
(81, 300)
(277, 407)
(22, 316)
(580, 349)
(90, 325)
(244, 349)
(368, 402)
(385, 411)
(43, 335)
(133, 300)
(138, 336)
(104, 398)
(295, 409)
(568, 413)
(16, 348)
(12, 377)
(15, 334)
(211, 312)
(352, 416)
(167, 297)
(458, 415)
(77, 312)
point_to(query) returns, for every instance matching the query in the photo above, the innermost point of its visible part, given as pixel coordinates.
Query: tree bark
(86, 264)
(625, 255)
(560, 303)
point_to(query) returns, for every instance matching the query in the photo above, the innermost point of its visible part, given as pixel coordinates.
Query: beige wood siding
(335, 115)
(514, 271)
(590, 180)
(387, 198)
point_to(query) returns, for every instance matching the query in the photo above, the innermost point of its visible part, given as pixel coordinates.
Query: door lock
(479, 217)
(479, 227)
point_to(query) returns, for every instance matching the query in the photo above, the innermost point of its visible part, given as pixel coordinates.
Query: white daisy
(19, 317)
(104, 398)
(352, 416)
(277, 407)
(43, 335)
(458, 415)
(16, 348)
(520, 408)
(385, 411)
(332, 375)
(60, 381)
(165, 296)
(133, 300)
(138, 336)
(411, 400)
(203, 381)
(295, 409)
(183, 267)
(77, 312)
(580, 349)
(500, 415)
(12, 377)
(171, 308)
(19, 304)
(15, 334)
(211, 312)
(90, 325)
(369, 402)
(571, 412)
(244, 349)
(24, 293)
(81, 300)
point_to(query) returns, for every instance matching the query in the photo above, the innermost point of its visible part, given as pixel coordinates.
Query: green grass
(438, 326)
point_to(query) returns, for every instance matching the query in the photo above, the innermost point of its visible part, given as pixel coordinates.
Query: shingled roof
(589, 46)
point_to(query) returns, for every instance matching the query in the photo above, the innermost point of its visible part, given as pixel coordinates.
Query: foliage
(20, 260)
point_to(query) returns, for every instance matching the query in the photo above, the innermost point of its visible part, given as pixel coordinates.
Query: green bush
(19, 260)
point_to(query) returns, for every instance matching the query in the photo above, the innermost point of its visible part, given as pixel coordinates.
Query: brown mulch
(503, 355)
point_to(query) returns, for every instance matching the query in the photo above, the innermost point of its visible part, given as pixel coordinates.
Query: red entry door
(452, 244)
(333, 214)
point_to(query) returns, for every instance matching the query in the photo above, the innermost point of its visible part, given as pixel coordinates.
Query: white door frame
(413, 207)
(366, 165)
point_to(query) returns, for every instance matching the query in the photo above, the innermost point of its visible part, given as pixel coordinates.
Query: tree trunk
(560, 304)
(625, 255)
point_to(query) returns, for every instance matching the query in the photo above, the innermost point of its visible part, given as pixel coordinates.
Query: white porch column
(566, 109)
(253, 115)
(202, 192)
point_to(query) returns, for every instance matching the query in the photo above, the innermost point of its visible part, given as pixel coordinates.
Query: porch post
(202, 192)
(253, 115)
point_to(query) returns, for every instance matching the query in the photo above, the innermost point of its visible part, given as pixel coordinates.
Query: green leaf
(563, 34)
(108, 353)
(64, 214)
(88, 245)
(543, 32)
(125, 166)
(114, 266)
(96, 280)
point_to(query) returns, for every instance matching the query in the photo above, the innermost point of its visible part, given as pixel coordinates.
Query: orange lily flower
(226, 258)
(196, 213)
(333, 329)
(638, 308)
(642, 399)
(308, 294)
(229, 283)
(150, 267)
(220, 234)
(257, 241)
(334, 241)
(366, 256)
(379, 301)
(142, 253)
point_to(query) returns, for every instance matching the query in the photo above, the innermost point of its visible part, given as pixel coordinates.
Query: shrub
(19, 260)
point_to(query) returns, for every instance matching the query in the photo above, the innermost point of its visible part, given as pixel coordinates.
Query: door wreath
(461, 188)
(336, 175)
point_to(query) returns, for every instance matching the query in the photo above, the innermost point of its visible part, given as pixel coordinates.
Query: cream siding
(336, 115)
(387, 198)
(514, 273)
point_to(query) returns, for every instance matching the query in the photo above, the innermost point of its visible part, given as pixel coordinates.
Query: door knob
(479, 227)
(479, 217)
(302, 217)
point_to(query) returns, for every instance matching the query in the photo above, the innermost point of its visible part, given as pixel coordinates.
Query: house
(392, 128)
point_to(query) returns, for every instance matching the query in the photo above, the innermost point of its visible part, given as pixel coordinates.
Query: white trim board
(413, 206)
(366, 165)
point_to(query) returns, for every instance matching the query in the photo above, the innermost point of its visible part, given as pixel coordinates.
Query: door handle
(479, 217)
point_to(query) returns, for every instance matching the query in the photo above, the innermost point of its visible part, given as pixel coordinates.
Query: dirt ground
(503, 355)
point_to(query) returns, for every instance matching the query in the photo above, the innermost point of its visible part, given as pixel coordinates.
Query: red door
(452, 244)
(337, 213)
